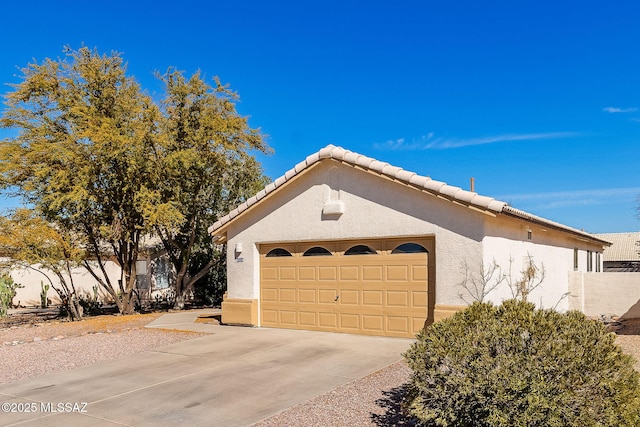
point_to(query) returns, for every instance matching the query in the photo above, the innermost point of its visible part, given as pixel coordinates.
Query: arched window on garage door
(278, 252)
(317, 251)
(359, 250)
(409, 248)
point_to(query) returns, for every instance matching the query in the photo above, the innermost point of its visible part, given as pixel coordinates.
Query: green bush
(515, 365)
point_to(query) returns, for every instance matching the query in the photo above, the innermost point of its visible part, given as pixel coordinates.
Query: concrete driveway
(234, 377)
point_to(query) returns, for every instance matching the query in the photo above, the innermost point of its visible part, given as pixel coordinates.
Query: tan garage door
(360, 287)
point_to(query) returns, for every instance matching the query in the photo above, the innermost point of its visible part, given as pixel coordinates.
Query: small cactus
(44, 302)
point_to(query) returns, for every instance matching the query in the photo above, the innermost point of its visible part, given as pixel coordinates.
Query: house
(346, 243)
(624, 253)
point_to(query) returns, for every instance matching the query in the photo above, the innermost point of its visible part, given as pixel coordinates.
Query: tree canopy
(96, 156)
(30, 242)
(203, 168)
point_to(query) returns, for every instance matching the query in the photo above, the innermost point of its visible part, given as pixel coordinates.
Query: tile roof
(423, 183)
(624, 246)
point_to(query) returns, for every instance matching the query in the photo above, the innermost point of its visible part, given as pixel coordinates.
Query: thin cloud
(430, 142)
(614, 110)
(562, 199)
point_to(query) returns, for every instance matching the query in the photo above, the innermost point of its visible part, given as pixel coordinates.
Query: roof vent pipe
(472, 184)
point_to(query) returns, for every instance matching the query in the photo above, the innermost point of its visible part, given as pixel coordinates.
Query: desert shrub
(515, 365)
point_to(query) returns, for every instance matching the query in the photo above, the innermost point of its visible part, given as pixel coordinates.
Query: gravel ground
(31, 349)
(374, 400)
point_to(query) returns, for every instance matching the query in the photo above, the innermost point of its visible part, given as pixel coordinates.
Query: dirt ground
(45, 324)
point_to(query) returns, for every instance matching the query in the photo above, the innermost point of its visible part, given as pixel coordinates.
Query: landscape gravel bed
(34, 349)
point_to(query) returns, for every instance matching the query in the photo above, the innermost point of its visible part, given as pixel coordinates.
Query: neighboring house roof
(423, 183)
(624, 246)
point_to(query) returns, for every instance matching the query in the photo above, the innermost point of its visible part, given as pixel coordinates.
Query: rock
(37, 339)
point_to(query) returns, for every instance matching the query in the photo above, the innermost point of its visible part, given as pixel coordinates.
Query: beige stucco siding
(29, 294)
(373, 207)
(611, 293)
(507, 242)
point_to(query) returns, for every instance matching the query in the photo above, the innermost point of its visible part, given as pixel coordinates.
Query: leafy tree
(82, 156)
(32, 243)
(98, 159)
(204, 167)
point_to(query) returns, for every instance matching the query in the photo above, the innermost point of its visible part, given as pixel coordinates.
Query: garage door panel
(397, 323)
(377, 294)
(327, 320)
(372, 272)
(287, 295)
(349, 272)
(270, 294)
(373, 323)
(350, 321)
(269, 273)
(419, 273)
(307, 296)
(270, 316)
(327, 273)
(288, 317)
(327, 296)
(287, 273)
(350, 297)
(397, 298)
(398, 273)
(372, 298)
(307, 273)
(419, 298)
(307, 318)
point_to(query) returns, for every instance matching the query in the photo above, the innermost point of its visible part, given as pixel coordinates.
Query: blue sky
(539, 101)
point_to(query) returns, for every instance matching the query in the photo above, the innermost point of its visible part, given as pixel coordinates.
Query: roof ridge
(424, 183)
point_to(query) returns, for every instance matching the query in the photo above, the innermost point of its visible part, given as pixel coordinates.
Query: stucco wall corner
(242, 312)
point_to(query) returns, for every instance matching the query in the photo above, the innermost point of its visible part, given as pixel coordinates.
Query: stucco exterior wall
(507, 242)
(614, 294)
(29, 295)
(373, 207)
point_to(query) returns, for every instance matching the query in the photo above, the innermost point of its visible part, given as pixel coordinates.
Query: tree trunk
(180, 301)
